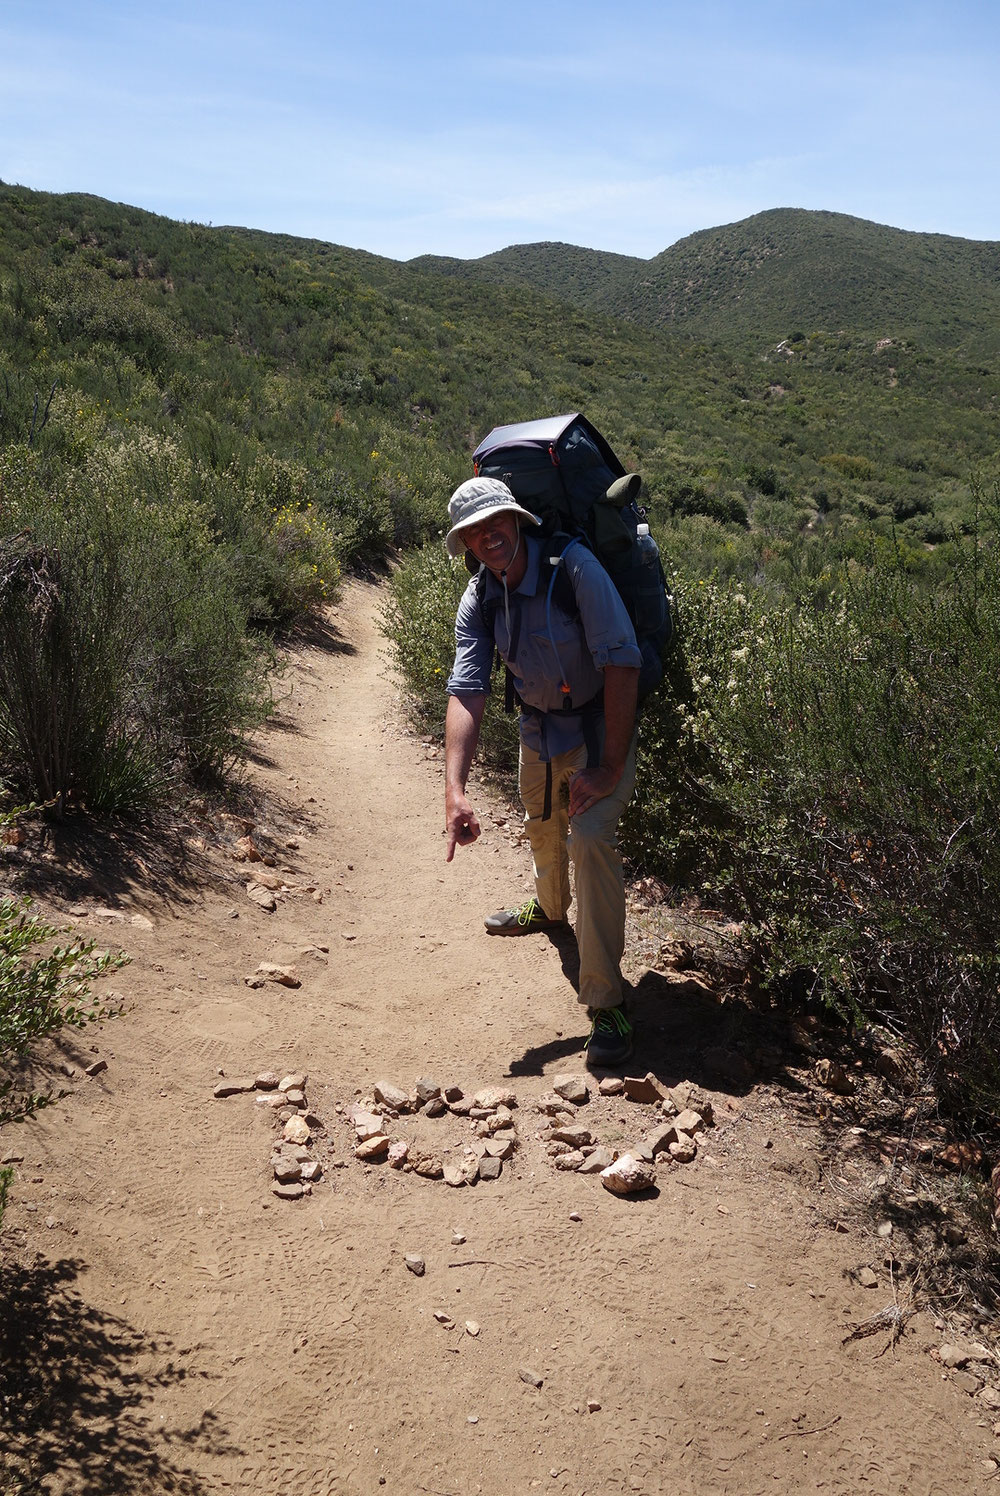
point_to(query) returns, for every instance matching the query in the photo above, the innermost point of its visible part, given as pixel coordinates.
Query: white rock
(296, 1130)
(571, 1161)
(684, 1150)
(627, 1175)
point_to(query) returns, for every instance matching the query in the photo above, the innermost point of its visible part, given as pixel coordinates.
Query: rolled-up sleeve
(606, 624)
(470, 674)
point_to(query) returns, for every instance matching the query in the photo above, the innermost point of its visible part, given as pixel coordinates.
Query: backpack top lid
(548, 432)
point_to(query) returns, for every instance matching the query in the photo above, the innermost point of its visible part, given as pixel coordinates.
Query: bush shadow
(76, 1408)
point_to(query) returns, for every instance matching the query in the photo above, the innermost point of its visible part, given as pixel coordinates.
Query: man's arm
(621, 687)
(461, 734)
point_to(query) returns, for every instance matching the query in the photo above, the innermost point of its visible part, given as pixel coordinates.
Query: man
(573, 656)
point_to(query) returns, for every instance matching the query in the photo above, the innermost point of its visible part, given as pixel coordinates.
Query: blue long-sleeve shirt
(543, 645)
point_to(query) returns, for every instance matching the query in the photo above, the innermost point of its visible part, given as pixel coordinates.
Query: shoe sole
(519, 930)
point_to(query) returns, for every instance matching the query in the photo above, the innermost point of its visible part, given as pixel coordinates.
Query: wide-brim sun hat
(476, 499)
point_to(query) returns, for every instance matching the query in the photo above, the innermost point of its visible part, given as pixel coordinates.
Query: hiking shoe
(610, 1040)
(525, 920)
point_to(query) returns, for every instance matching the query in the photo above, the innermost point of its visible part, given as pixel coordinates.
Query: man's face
(493, 540)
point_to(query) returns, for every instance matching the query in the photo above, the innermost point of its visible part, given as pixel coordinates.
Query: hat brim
(453, 540)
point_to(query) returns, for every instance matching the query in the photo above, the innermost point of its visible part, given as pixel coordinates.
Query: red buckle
(554, 455)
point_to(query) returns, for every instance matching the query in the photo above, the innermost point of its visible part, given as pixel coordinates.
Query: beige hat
(475, 500)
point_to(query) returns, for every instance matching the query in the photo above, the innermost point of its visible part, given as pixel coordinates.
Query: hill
(776, 273)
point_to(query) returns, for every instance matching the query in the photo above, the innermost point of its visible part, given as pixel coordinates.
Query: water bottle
(649, 551)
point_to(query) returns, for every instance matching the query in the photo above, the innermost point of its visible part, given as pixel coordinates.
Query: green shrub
(124, 655)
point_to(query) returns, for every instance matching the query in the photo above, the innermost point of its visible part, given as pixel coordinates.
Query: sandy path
(284, 1347)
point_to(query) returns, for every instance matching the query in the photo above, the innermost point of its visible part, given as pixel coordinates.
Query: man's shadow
(682, 1032)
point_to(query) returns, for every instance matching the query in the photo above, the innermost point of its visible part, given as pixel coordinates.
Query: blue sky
(434, 126)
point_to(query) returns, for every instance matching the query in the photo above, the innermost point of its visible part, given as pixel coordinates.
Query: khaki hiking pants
(591, 841)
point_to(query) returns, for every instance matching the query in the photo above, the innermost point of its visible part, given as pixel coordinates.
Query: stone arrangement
(381, 1136)
(684, 1110)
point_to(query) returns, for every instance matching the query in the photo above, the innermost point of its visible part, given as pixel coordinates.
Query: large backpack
(563, 470)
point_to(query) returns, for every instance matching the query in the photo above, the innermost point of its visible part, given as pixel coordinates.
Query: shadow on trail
(320, 634)
(74, 1405)
(84, 858)
(679, 1036)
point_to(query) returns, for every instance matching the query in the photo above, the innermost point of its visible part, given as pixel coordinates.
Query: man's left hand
(589, 786)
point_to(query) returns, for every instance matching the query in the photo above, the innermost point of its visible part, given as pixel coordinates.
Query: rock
(867, 1278)
(96, 1068)
(688, 1097)
(114, 915)
(596, 1162)
(461, 1108)
(554, 1106)
(661, 1137)
(372, 1148)
(270, 881)
(572, 1088)
(611, 1085)
(262, 897)
(453, 1094)
(690, 1122)
(425, 1088)
(274, 1099)
(295, 1098)
(628, 1175)
(398, 1154)
(415, 1263)
(831, 1073)
(286, 1170)
(956, 1355)
(644, 1088)
(576, 1137)
(297, 1081)
(531, 1377)
(458, 1238)
(435, 1107)
(285, 976)
(500, 1148)
(570, 1161)
(267, 1080)
(221, 1091)
(593, 1406)
(493, 1097)
(455, 1175)
(288, 1191)
(990, 1398)
(575, 1215)
(684, 1150)
(390, 1095)
(642, 1151)
(444, 1318)
(245, 850)
(490, 1168)
(966, 1382)
(296, 1130)
(140, 922)
(367, 1125)
(502, 1117)
(428, 1166)
(472, 1328)
(312, 1171)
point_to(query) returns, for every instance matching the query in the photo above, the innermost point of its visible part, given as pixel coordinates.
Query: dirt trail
(283, 1346)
